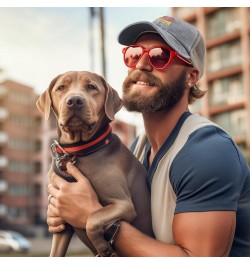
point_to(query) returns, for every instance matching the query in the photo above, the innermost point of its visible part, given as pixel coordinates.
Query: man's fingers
(53, 191)
(56, 229)
(55, 221)
(74, 171)
(57, 181)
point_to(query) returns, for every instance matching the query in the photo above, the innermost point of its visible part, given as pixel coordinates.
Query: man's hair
(195, 93)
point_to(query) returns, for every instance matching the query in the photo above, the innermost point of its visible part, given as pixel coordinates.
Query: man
(199, 179)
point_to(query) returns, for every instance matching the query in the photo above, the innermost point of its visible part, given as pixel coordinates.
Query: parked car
(25, 231)
(13, 241)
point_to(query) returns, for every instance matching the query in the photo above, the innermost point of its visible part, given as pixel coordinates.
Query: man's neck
(159, 125)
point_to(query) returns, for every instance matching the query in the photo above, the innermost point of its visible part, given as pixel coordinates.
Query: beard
(167, 96)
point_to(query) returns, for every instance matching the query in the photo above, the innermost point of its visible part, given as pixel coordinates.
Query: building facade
(227, 76)
(20, 155)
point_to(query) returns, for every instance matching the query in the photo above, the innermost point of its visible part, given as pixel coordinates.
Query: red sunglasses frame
(173, 54)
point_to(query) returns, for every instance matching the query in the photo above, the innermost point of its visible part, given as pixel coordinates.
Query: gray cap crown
(179, 35)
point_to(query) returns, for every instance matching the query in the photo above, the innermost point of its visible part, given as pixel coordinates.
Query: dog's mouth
(75, 124)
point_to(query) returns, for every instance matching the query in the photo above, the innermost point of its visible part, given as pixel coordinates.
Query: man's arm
(207, 234)
(195, 233)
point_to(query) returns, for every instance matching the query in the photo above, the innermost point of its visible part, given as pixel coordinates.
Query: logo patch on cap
(164, 21)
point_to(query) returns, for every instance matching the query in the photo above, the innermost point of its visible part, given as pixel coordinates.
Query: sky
(38, 43)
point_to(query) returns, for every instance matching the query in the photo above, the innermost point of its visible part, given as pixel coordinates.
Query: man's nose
(144, 64)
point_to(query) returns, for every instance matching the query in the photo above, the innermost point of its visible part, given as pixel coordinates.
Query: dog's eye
(61, 87)
(91, 87)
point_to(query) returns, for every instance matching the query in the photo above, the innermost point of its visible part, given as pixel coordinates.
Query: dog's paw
(108, 252)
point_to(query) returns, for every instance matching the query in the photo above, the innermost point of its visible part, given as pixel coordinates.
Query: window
(224, 56)
(37, 167)
(226, 91)
(223, 21)
(37, 190)
(22, 121)
(14, 212)
(37, 145)
(18, 190)
(19, 144)
(214, 60)
(233, 122)
(20, 98)
(16, 166)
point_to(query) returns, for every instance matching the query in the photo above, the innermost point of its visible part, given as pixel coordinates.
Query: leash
(64, 153)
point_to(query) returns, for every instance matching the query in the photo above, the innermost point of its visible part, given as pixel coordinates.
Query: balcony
(3, 210)
(3, 114)
(3, 186)
(3, 91)
(3, 138)
(3, 162)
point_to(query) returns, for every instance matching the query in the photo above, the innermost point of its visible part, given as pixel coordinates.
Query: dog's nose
(74, 102)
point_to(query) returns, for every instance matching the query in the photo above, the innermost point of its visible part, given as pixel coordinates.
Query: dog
(84, 105)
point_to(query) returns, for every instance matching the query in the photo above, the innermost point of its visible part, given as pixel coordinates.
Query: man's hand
(70, 202)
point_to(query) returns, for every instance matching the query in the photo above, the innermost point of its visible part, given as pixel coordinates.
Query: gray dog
(84, 105)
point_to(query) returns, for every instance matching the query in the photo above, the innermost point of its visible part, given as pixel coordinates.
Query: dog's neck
(63, 153)
(101, 138)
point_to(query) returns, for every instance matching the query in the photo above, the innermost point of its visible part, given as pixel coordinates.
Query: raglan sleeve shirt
(207, 175)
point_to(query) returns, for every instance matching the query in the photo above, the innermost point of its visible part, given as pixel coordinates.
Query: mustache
(138, 75)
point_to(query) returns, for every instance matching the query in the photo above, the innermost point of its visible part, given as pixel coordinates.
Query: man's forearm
(130, 242)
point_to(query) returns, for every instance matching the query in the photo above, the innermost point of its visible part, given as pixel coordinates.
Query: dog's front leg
(99, 220)
(60, 242)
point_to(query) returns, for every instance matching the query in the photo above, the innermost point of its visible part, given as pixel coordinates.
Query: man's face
(149, 90)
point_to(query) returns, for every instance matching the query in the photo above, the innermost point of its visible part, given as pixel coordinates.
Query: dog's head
(82, 103)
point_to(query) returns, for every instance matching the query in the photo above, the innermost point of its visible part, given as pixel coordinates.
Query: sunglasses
(159, 57)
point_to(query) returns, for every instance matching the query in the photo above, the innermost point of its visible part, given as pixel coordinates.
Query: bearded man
(198, 177)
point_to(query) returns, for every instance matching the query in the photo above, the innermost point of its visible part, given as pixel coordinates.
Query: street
(40, 246)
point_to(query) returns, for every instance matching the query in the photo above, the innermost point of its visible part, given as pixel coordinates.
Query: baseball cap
(179, 35)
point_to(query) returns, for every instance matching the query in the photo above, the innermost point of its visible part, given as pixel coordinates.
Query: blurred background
(37, 44)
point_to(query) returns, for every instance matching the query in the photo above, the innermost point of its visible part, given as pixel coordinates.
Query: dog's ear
(113, 102)
(44, 101)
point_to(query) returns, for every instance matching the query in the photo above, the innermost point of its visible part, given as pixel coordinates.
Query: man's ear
(192, 77)
(44, 101)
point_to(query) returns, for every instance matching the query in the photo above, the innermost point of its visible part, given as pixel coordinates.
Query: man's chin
(134, 105)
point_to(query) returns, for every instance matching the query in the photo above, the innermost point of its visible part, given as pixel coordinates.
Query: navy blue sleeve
(133, 145)
(206, 174)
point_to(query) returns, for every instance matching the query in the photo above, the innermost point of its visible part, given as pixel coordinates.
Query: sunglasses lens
(159, 57)
(132, 56)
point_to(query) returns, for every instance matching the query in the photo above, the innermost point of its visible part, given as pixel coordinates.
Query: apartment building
(227, 77)
(20, 155)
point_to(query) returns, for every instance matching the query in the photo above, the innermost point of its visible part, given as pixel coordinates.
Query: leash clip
(55, 153)
(61, 160)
